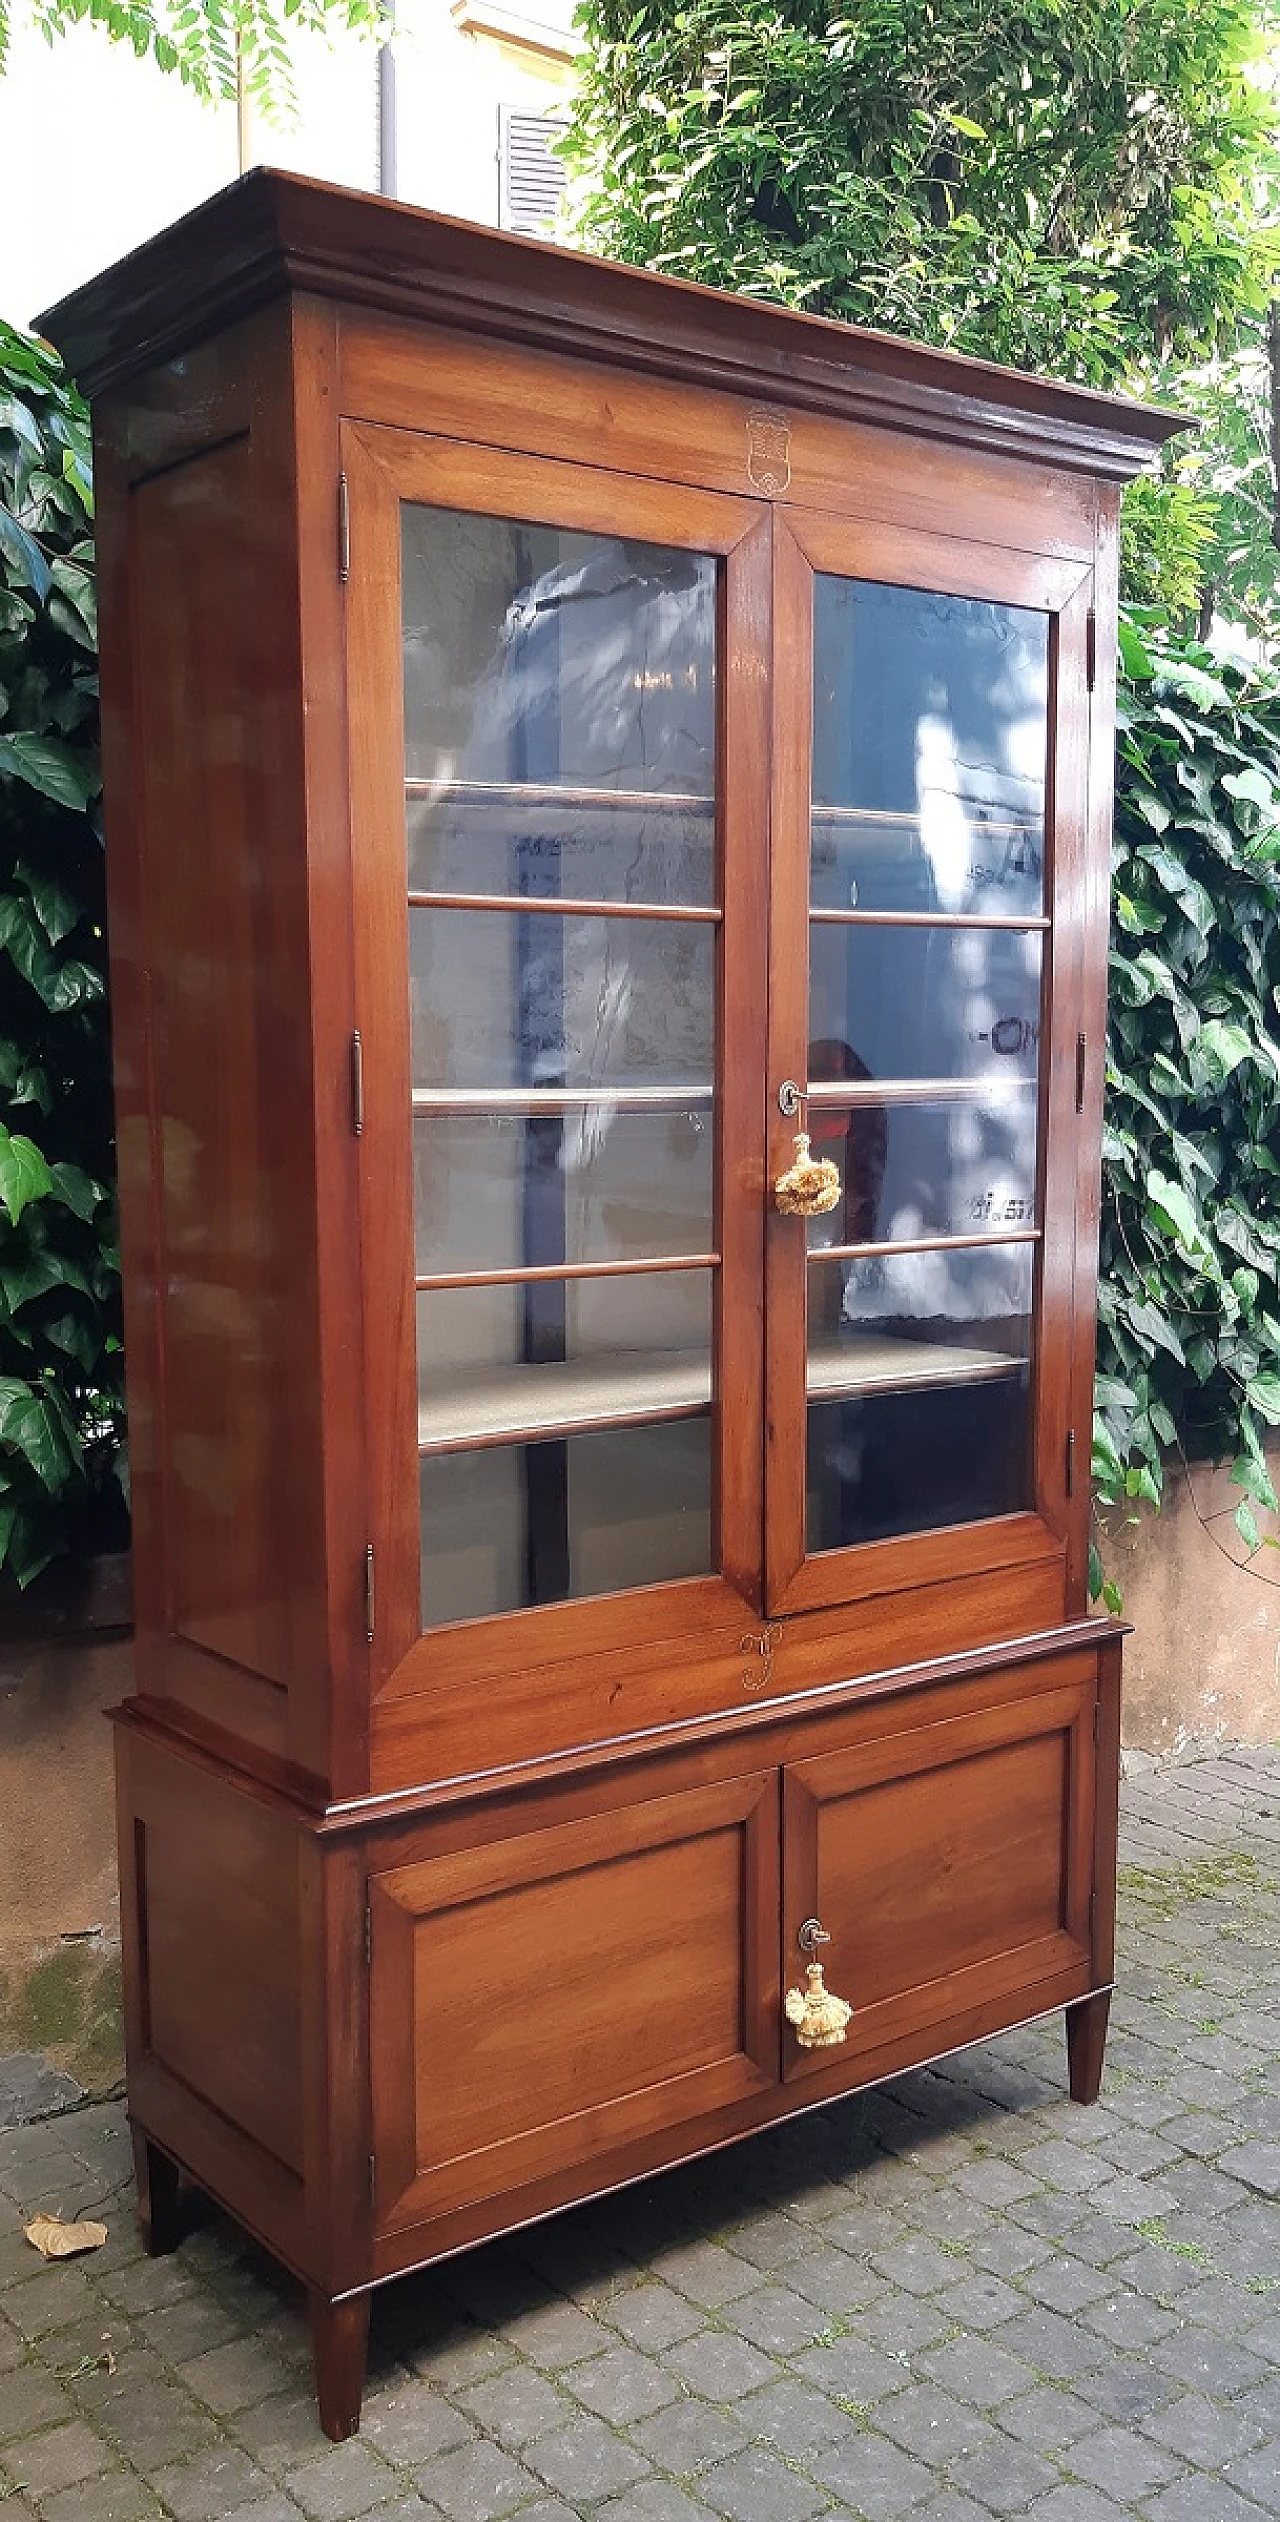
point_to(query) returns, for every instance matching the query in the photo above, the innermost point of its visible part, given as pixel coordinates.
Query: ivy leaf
(31, 1425)
(52, 768)
(23, 556)
(1170, 1205)
(1246, 1524)
(24, 1174)
(1263, 1395)
(1138, 666)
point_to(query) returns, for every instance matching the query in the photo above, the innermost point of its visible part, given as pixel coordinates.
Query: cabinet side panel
(226, 973)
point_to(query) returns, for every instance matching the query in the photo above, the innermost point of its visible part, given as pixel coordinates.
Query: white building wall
(99, 149)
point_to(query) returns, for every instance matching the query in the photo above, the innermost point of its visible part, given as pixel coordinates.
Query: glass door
(917, 1374)
(552, 984)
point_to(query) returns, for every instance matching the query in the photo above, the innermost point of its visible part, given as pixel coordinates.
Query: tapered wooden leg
(1086, 2042)
(158, 2212)
(339, 2346)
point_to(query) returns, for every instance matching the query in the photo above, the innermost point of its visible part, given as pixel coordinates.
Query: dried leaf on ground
(56, 2240)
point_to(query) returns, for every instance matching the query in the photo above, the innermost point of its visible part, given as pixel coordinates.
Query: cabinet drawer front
(950, 1864)
(546, 1997)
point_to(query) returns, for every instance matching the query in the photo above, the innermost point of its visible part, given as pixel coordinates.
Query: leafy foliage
(214, 46)
(1189, 1309)
(1066, 187)
(61, 1392)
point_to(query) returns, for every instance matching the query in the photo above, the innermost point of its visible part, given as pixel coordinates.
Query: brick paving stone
(118, 2496)
(1074, 2503)
(797, 2420)
(583, 2460)
(687, 2437)
(477, 2483)
(872, 2477)
(755, 2486)
(654, 2316)
(1124, 2463)
(621, 2386)
(346, 2481)
(654, 2500)
(233, 2376)
(1201, 2499)
(1258, 2475)
(413, 2420)
(272, 2508)
(1203, 2431)
(929, 2422)
(29, 2398)
(1065, 2285)
(60, 2458)
(1047, 2419)
(778, 2321)
(720, 2366)
(279, 2432)
(205, 2489)
(1003, 2475)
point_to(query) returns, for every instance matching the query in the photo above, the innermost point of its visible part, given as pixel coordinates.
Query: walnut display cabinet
(569, 734)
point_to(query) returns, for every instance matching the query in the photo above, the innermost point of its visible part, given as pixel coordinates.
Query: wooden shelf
(529, 796)
(507, 1405)
(501, 1405)
(877, 1361)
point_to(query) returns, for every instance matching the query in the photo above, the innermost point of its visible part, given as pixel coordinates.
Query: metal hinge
(368, 1933)
(1082, 1062)
(368, 1592)
(1097, 1722)
(373, 2178)
(357, 1085)
(344, 529)
(1091, 648)
(1071, 1462)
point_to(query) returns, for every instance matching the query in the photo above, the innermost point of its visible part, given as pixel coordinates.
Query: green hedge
(61, 1365)
(1189, 1313)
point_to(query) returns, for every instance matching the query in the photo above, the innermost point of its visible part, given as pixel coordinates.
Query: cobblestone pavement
(957, 2297)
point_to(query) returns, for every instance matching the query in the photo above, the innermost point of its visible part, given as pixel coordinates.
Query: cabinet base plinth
(1086, 2045)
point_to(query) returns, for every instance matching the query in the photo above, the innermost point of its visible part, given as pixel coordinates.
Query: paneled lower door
(551, 1995)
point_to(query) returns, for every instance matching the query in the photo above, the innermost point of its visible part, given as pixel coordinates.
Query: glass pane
(923, 1002)
(501, 1000)
(499, 1362)
(539, 663)
(541, 1523)
(907, 1316)
(929, 751)
(914, 1460)
(908, 1170)
(500, 1191)
(931, 1350)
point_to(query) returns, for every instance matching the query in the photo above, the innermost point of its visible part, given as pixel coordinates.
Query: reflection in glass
(929, 751)
(500, 1000)
(494, 1362)
(963, 1167)
(925, 1002)
(513, 1525)
(886, 1462)
(501, 1191)
(540, 662)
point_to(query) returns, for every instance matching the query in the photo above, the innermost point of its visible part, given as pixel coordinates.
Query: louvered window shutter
(531, 179)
